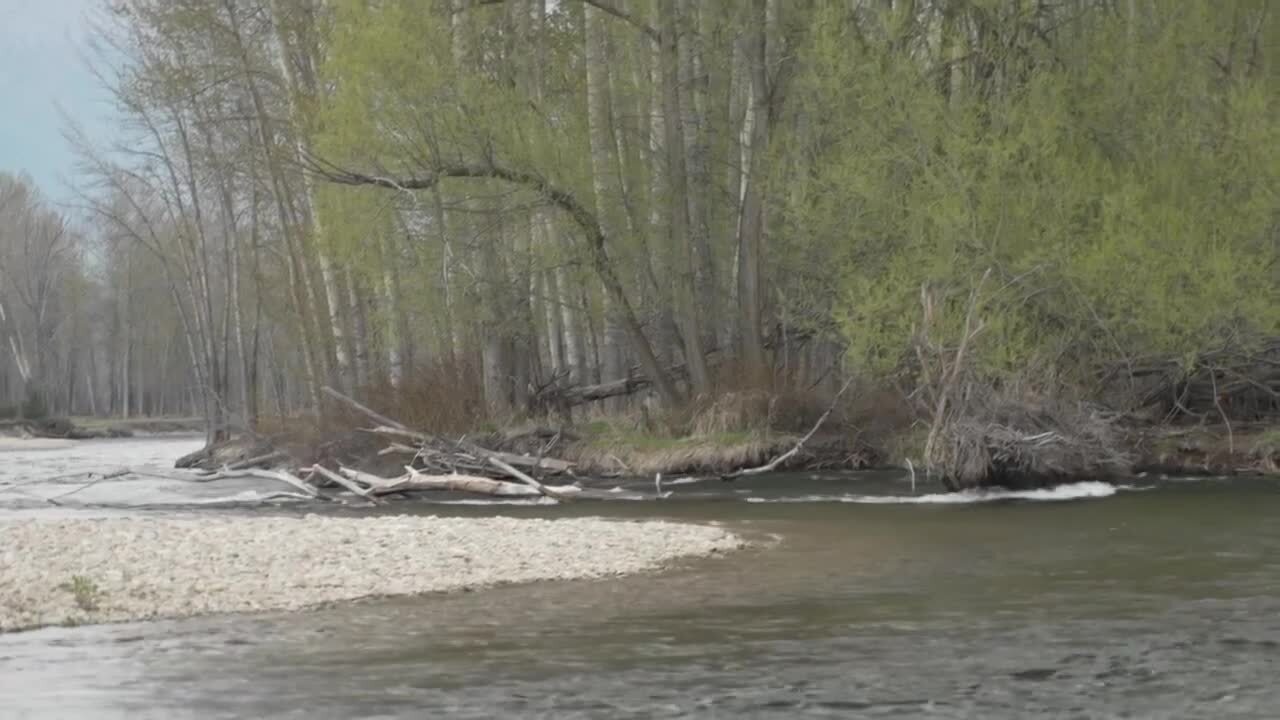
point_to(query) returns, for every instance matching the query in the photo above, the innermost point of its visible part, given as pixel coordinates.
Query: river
(860, 599)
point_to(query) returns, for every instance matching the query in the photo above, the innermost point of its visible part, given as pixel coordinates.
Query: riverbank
(602, 450)
(13, 444)
(93, 428)
(71, 572)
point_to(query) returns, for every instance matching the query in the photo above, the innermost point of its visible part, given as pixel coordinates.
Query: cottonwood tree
(511, 200)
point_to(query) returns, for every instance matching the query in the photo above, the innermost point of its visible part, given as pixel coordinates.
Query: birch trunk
(299, 282)
(359, 330)
(391, 305)
(299, 77)
(751, 224)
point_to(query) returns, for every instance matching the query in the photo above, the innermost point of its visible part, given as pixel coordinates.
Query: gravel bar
(67, 572)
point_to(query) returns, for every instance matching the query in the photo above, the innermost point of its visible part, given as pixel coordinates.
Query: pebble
(77, 571)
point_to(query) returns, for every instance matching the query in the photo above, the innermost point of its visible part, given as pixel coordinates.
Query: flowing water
(860, 599)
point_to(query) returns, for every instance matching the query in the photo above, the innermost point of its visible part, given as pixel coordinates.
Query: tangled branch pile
(983, 432)
(1237, 382)
(1020, 443)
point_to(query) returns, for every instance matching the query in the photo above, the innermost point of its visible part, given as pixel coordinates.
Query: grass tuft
(87, 594)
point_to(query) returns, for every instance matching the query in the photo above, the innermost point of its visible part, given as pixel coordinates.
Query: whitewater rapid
(1072, 491)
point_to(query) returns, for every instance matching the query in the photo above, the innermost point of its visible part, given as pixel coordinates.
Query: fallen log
(263, 459)
(343, 482)
(349, 402)
(399, 448)
(415, 480)
(635, 381)
(460, 454)
(373, 481)
(554, 393)
(466, 453)
(277, 475)
(554, 466)
(526, 479)
(777, 462)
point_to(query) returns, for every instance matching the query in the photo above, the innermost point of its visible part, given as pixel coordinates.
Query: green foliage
(88, 595)
(1125, 207)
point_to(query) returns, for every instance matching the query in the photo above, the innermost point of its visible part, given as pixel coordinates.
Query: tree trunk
(697, 148)
(575, 348)
(677, 203)
(298, 274)
(359, 330)
(751, 225)
(297, 84)
(603, 170)
(391, 305)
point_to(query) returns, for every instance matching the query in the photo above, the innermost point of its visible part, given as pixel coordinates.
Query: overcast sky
(41, 66)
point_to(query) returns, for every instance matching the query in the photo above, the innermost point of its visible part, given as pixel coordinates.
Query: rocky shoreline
(77, 571)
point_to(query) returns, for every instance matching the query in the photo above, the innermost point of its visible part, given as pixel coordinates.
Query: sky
(42, 43)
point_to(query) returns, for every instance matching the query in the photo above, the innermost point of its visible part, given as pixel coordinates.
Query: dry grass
(735, 430)
(734, 412)
(440, 398)
(639, 454)
(1210, 450)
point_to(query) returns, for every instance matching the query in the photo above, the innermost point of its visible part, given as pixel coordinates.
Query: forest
(989, 221)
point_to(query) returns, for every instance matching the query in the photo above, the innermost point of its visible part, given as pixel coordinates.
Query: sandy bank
(102, 570)
(15, 444)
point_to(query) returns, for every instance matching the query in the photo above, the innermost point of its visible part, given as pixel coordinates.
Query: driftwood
(415, 480)
(1012, 442)
(371, 487)
(398, 448)
(263, 459)
(526, 479)
(444, 464)
(428, 444)
(481, 485)
(581, 394)
(554, 393)
(92, 481)
(1240, 381)
(557, 394)
(277, 475)
(349, 402)
(777, 462)
(342, 481)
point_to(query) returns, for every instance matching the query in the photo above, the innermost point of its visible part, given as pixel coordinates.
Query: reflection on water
(1160, 603)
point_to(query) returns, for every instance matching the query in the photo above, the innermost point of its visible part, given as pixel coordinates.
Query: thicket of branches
(496, 201)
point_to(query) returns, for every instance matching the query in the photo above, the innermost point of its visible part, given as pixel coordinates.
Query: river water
(860, 599)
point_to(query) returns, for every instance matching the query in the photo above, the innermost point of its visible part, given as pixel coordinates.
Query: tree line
(491, 202)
